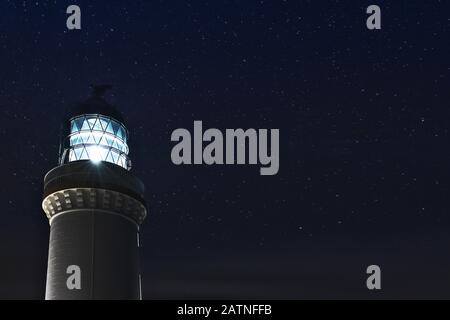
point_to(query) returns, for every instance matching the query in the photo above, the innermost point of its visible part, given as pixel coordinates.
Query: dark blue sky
(363, 118)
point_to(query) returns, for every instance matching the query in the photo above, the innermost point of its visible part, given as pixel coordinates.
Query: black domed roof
(96, 104)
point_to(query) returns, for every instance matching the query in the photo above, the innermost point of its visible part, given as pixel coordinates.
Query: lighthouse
(95, 206)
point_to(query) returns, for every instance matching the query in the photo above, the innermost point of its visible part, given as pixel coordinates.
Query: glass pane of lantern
(104, 124)
(79, 122)
(85, 126)
(97, 126)
(74, 127)
(109, 128)
(91, 122)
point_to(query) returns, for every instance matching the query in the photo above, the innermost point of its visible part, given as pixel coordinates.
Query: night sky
(364, 141)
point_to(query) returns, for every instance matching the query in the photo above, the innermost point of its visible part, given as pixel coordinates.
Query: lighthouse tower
(95, 206)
